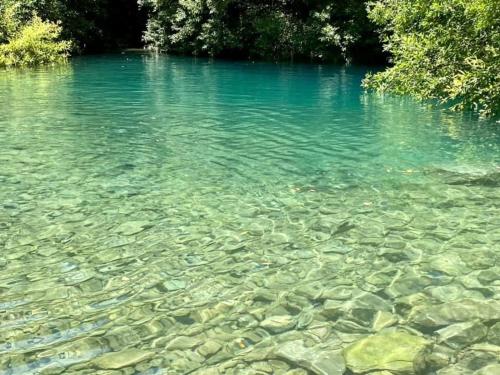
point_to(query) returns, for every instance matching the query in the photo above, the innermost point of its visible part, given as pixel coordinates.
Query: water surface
(196, 216)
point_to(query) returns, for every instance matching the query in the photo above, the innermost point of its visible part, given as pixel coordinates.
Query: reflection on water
(172, 216)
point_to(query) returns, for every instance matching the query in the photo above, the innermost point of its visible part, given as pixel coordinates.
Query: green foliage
(29, 43)
(286, 29)
(92, 25)
(447, 50)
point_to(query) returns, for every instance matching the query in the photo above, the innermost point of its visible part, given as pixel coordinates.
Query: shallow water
(198, 217)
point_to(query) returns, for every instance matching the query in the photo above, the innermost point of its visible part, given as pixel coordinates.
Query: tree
(448, 50)
(322, 30)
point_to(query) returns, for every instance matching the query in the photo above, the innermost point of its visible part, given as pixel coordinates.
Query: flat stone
(449, 293)
(124, 358)
(407, 283)
(455, 312)
(451, 264)
(173, 285)
(278, 323)
(262, 367)
(209, 348)
(395, 351)
(183, 343)
(316, 361)
(439, 357)
(297, 371)
(132, 227)
(454, 370)
(370, 301)
(494, 334)
(340, 292)
(383, 319)
(460, 335)
(333, 308)
(493, 369)
(485, 347)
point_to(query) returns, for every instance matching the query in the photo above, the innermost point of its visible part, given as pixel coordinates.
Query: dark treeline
(92, 25)
(446, 50)
(317, 30)
(310, 30)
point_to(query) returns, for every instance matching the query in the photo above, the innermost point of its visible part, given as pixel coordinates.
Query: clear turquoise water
(143, 199)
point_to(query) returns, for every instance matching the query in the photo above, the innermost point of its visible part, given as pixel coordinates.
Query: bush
(32, 43)
(448, 50)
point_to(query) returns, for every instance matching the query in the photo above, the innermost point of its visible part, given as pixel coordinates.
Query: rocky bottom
(162, 215)
(299, 280)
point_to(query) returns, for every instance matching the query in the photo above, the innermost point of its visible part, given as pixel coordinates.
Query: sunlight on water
(171, 216)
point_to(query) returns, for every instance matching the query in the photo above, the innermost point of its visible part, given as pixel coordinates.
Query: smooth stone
(304, 319)
(132, 227)
(317, 362)
(207, 371)
(494, 334)
(183, 343)
(125, 358)
(485, 347)
(309, 291)
(455, 312)
(396, 351)
(493, 369)
(439, 357)
(383, 319)
(333, 308)
(487, 277)
(209, 348)
(297, 371)
(173, 285)
(380, 279)
(451, 264)
(366, 301)
(454, 370)
(262, 367)
(405, 284)
(449, 293)
(370, 301)
(460, 335)
(348, 326)
(278, 323)
(340, 292)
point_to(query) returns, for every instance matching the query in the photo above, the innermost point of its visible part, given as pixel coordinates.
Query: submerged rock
(494, 334)
(493, 369)
(383, 319)
(455, 312)
(396, 352)
(469, 177)
(183, 343)
(125, 358)
(460, 335)
(278, 323)
(316, 361)
(132, 227)
(209, 348)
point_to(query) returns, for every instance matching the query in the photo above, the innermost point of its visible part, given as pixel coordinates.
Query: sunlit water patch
(177, 216)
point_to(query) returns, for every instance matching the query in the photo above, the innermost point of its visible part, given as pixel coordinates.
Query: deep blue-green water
(164, 215)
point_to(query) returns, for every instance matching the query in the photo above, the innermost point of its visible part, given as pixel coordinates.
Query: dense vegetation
(439, 49)
(92, 25)
(29, 40)
(325, 30)
(447, 50)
